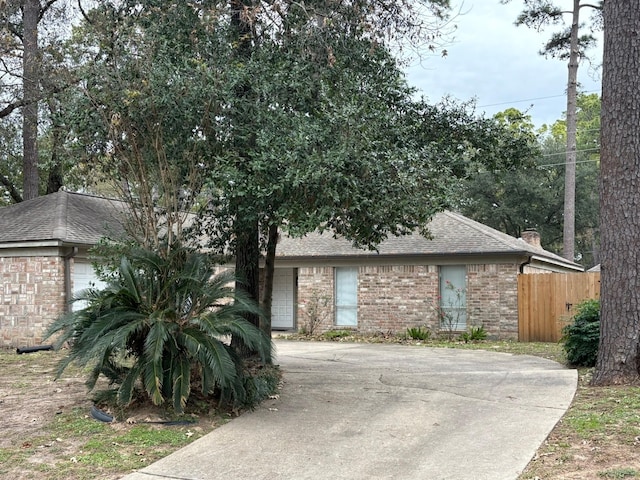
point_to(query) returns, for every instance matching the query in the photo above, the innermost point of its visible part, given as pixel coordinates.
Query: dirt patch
(31, 399)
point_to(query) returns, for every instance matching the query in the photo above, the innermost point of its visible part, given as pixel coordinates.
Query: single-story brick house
(44, 246)
(466, 269)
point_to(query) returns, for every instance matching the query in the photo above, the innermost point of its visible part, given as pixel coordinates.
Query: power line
(532, 99)
(564, 163)
(520, 101)
(591, 150)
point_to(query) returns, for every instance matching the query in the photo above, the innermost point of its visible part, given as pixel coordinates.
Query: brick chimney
(532, 238)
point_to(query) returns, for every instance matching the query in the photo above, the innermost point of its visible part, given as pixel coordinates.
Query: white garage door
(84, 277)
(282, 312)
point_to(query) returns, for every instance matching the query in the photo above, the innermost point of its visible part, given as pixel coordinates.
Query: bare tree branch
(13, 192)
(45, 8)
(6, 111)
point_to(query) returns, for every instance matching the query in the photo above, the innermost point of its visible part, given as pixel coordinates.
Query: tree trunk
(569, 230)
(269, 268)
(55, 179)
(247, 253)
(30, 82)
(246, 224)
(619, 352)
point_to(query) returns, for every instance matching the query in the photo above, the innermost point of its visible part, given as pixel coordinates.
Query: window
(453, 297)
(346, 296)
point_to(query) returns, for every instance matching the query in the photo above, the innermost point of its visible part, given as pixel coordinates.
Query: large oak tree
(270, 117)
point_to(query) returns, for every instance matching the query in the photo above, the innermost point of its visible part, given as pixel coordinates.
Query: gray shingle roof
(74, 218)
(451, 233)
(70, 218)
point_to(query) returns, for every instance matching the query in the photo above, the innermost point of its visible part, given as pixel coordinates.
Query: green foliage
(334, 334)
(261, 384)
(160, 326)
(619, 473)
(532, 195)
(474, 334)
(10, 161)
(581, 338)
(419, 333)
(539, 14)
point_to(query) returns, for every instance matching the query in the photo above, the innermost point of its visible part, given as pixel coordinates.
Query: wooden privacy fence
(546, 302)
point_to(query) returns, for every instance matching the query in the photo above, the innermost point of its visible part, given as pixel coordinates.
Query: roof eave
(32, 244)
(567, 264)
(500, 253)
(54, 242)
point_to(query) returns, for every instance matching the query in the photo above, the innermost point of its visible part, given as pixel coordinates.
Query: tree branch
(13, 192)
(6, 111)
(595, 7)
(45, 8)
(13, 29)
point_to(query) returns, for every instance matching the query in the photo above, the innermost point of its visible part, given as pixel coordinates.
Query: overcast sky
(497, 63)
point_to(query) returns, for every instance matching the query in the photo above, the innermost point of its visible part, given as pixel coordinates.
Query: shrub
(582, 336)
(452, 314)
(333, 334)
(475, 334)
(316, 312)
(418, 333)
(160, 327)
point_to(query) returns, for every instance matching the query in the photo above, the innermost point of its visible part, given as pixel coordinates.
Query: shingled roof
(62, 217)
(452, 234)
(80, 219)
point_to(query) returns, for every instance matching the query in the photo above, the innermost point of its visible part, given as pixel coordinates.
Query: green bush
(581, 337)
(475, 334)
(334, 334)
(418, 333)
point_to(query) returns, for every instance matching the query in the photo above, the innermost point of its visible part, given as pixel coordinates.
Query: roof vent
(532, 237)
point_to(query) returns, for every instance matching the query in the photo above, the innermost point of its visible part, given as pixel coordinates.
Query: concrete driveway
(363, 411)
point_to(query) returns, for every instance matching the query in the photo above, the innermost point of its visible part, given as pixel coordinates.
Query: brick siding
(31, 296)
(392, 298)
(492, 299)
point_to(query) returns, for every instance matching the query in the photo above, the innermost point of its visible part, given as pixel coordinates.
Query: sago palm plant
(160, 324)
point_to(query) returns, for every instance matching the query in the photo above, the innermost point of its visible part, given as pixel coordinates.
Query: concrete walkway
(363, 411)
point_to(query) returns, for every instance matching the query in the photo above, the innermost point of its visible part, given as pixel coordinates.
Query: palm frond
(153, 360)
(181, 383)
(128, 277)
(127, 387)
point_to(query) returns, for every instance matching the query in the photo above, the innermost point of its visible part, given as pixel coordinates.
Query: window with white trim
(453, 297)
(346, 298)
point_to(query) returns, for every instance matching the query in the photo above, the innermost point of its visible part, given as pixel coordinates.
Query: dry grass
(49, 434)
